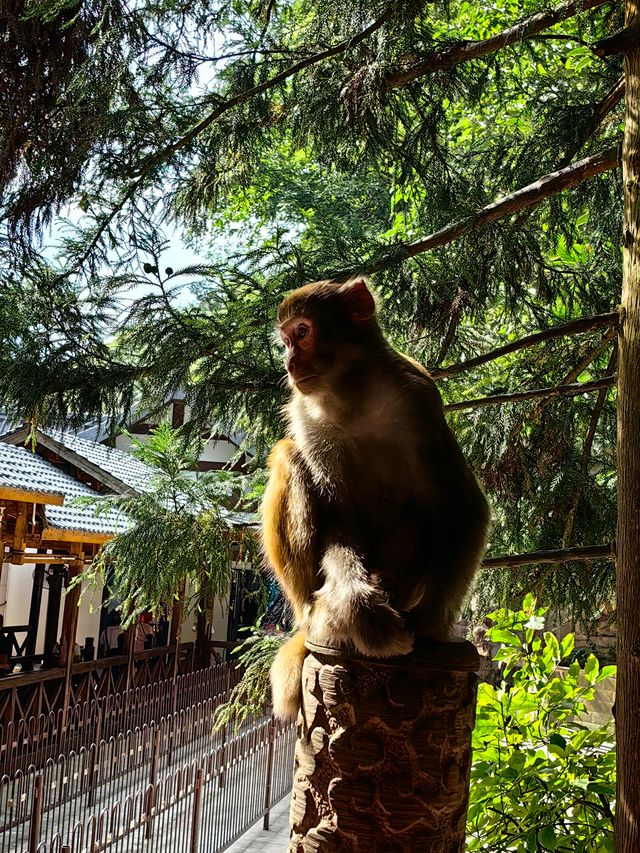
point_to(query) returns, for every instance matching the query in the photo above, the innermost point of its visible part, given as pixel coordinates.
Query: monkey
(373, 522)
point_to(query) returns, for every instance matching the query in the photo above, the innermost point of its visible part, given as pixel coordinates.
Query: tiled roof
(7, 422)
(123, 466)
(20, 468)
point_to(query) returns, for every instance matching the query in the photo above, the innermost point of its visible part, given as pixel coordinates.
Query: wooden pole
(34, 611)
(55, 580)
(70, 624)
(384, 751)
(19, 535)
(627, 821)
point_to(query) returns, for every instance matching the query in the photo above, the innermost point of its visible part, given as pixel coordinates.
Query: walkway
(274, 840)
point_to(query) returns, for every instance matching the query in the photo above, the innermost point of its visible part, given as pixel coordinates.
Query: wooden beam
(52, 533)
(37, 559)
(14, 493)
(20, 534)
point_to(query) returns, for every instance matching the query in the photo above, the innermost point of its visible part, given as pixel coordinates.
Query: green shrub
(541, 780)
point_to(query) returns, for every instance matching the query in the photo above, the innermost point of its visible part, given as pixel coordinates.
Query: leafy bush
(541, 780)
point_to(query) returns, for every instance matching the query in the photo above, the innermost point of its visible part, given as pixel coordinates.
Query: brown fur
(373, 522)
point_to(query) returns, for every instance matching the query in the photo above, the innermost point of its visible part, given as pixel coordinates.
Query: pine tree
(330, 138)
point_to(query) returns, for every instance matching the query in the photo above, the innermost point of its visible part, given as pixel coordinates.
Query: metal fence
(33, 740)
(186, 803)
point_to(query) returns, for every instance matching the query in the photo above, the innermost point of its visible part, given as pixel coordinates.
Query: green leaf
(591, 668)
(567, 645)
(558, 740)
(502, 635)
(547, 838)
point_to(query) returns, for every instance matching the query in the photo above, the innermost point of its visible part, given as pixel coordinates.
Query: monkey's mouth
(300, 380)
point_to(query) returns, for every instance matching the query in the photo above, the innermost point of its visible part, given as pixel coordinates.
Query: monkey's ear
(360, 303)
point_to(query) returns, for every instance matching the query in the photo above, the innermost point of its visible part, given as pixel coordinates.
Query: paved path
(275, 840)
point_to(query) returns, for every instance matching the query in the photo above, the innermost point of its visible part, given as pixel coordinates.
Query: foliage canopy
(297, 140)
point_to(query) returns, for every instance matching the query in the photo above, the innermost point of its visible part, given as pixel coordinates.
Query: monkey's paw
(368, 623)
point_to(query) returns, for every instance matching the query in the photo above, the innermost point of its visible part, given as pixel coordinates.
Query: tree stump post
(384, 751)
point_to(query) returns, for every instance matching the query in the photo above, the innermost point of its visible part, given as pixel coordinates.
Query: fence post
(197, 808)
(267, 788)
(36, 814)
(153, 781)
(223, 755)
(94, 769)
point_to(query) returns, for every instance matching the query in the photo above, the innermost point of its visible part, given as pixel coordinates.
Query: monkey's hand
(349, 608)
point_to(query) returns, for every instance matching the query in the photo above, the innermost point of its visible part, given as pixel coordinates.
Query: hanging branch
(546, 186)
(513, 397)
(574, 327)
(586, 451)
(464, 51)
(624, 40)
(600, 111)
(563, 555)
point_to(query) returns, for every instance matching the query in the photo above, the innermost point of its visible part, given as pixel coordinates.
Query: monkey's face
(308, 360)
(326, 328)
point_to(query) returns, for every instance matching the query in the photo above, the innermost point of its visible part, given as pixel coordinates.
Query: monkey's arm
(351, 607)
(289, 539)
(289, 527)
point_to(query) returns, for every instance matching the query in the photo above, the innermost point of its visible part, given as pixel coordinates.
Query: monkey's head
(325, 328)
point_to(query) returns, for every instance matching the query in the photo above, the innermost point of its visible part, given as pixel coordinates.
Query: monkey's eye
(302, 332)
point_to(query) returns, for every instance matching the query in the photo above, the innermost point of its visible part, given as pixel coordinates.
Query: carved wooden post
(384, 751)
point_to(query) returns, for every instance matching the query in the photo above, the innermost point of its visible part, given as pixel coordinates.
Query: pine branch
(162, 156)
(468, 50)
(545, 187)
(564, 555)
(557, 391)
(600, 111)
(574, 327)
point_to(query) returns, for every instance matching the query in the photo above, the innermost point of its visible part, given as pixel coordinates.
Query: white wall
(213, 451)
(218, 451)
(16, 585)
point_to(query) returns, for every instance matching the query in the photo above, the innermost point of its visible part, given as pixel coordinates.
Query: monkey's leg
(350, 608)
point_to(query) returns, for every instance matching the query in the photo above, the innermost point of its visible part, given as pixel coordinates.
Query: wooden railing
(44, 691)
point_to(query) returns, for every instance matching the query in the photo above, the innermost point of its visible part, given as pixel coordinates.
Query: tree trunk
(627, 824)
(384, 751)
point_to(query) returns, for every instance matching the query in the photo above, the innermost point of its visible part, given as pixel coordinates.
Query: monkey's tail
(286, 677)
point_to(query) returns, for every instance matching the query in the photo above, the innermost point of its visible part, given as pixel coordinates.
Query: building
(46, 538)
